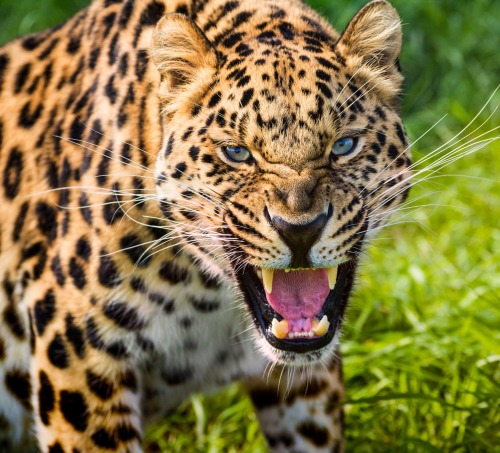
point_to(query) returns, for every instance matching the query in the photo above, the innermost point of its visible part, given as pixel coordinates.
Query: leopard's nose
(299, 237)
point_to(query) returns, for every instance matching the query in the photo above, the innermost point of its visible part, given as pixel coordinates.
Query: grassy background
(422, 338)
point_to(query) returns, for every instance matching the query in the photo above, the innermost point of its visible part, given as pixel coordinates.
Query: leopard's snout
(299, 237)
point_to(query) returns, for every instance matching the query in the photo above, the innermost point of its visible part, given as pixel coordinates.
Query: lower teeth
(309, 334)
(280, 329)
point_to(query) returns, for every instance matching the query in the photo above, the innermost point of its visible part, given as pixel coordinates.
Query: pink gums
(299, 294)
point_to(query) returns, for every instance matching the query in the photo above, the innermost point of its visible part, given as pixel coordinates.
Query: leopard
(187, 188)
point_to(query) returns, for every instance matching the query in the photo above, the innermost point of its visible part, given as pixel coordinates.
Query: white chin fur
(323, 355)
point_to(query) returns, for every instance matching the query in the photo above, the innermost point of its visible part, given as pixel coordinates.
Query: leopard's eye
(237, 153)
(344, 146)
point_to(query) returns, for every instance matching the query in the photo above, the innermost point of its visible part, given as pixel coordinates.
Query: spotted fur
(124, 226)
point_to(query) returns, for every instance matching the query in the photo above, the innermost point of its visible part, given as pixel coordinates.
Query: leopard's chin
(298, 311)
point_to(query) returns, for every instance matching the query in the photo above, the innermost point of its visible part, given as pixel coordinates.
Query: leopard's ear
(373, 39)
(185, 58)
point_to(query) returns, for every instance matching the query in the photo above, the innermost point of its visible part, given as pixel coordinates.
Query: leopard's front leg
(300, 411)
(86, 389)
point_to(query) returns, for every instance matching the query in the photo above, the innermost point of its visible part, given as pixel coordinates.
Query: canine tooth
(287, 270)
(280, 328)
(332, 276)
(322, 326)
(259, 274)
(267, 278)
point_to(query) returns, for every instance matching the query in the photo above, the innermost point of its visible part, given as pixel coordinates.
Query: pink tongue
(298, 294)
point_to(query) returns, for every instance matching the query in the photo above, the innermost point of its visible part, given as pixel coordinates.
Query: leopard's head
(283, 149)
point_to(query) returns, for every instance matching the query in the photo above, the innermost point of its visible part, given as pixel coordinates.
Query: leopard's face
(274, 173)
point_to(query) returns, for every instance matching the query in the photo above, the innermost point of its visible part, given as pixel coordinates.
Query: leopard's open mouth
(298, 310)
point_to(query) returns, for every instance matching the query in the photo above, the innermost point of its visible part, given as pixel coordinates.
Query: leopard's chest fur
(198, 338)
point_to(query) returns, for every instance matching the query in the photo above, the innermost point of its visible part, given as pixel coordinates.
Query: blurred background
(421, 344)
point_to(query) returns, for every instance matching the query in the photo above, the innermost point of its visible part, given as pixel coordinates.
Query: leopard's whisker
(469, 149)
(361, 93)
(457, 154)
(349, 81)
(450, 143)
(123, 142)
(81, 143)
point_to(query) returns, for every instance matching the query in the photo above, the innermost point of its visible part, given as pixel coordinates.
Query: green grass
(422, 338)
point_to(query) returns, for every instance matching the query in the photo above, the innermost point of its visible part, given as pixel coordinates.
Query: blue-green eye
(344, 146)
(237, 153)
